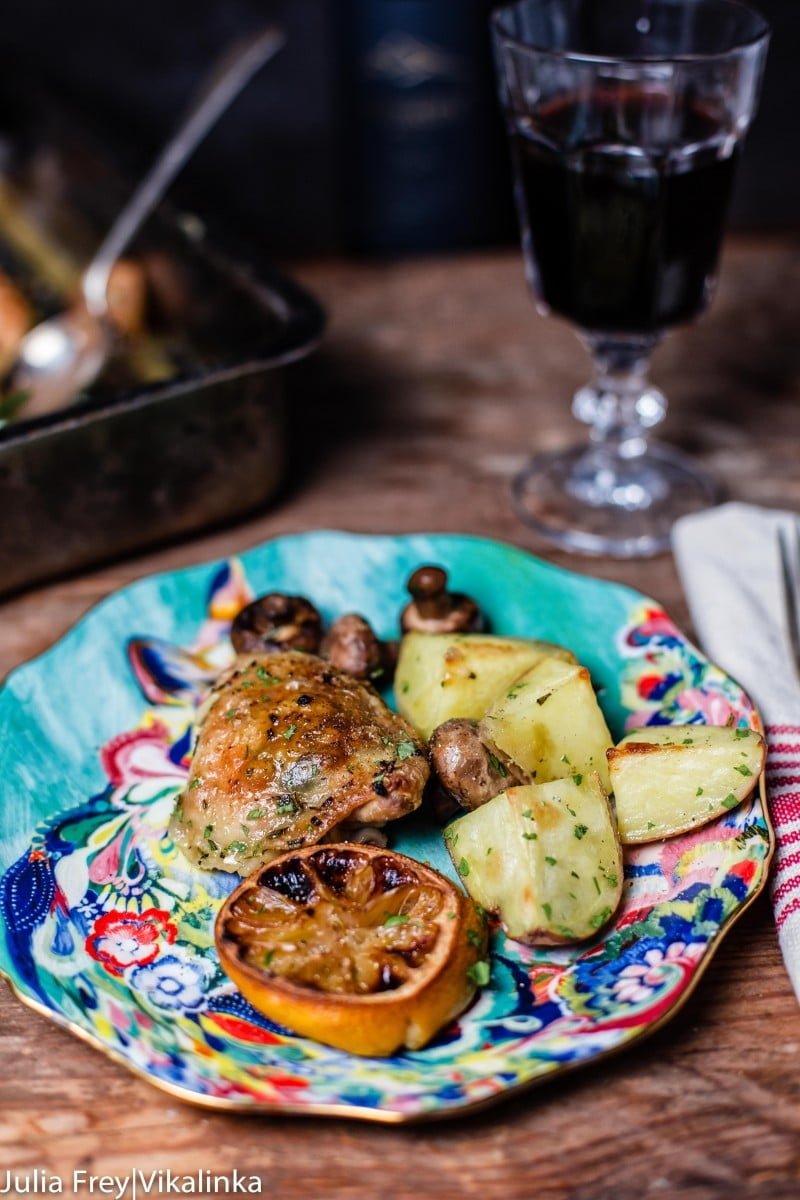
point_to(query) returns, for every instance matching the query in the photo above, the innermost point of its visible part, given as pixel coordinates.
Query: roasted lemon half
(354, 946)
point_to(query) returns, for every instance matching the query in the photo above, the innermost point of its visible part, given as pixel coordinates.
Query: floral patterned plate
(109, 931)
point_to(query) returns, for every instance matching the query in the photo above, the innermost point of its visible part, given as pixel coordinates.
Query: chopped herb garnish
(396, 919)
(207, 832)
(742, 769)
(651, 825)
(741, 733)
(699, 792)
(580, 831)
(12, 402)
(528, 814)
(289, 731)
(547, 910)
(479, 973)
(195, 782)
(451, 916)
(596, 884)
(236, 848)
(286, 806)
(265, 676)
(577, 779)
(564, 758)
(530, 837)
(548, 858)
(600, 918)
(687, 742)
(404, 688)
(489, 850)
(497, 766)
(256, 813)
(730, 801)
(574, 874)
(230, 714)
(474, 938)
(406, 749)
(268, 957)
(463, 868)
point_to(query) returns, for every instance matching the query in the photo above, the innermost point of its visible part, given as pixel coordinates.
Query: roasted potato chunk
(544, 857)
(127, 297)
(668, 779)
(549, 723)
(443, 675)
(16, 318)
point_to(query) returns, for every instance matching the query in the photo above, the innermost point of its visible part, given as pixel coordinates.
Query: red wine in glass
(626, 120)
(619, 239)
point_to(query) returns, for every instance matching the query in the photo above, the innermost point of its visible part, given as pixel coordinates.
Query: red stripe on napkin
(791, 859)
(792, 907)
(784, 807)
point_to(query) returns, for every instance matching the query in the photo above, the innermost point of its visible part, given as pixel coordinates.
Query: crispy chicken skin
(287, 749)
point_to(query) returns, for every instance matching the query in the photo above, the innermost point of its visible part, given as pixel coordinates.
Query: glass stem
(620, 405)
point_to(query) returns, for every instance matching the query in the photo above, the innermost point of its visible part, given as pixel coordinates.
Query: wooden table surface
(435, 380)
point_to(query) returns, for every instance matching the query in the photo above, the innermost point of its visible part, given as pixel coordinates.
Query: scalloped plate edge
(363, 1112)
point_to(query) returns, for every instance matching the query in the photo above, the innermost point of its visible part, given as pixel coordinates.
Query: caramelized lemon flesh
(354, 946)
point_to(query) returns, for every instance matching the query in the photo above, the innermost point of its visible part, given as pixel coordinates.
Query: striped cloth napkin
(728, 563)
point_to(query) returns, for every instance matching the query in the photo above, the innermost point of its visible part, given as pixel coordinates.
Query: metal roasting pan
(136, 464)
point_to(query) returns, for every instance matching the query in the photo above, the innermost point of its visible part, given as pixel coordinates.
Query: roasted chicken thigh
(289, 749)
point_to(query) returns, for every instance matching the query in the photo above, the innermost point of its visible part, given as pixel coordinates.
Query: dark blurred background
(375, 131)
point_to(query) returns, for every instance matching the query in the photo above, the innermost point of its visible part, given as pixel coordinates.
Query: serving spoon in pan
(64, 354)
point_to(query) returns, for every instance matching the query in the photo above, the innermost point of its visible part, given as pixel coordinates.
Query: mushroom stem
(435, 610)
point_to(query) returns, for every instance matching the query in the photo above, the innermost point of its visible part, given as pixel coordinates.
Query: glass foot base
(595, 501)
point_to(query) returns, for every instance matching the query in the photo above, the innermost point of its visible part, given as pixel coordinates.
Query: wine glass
(626, 119)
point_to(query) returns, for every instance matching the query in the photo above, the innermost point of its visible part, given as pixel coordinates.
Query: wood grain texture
(435, 381)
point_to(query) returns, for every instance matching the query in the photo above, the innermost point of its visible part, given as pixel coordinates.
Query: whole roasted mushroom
(435, 610)
(277, 622)
(352, 645)
(467, 769)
